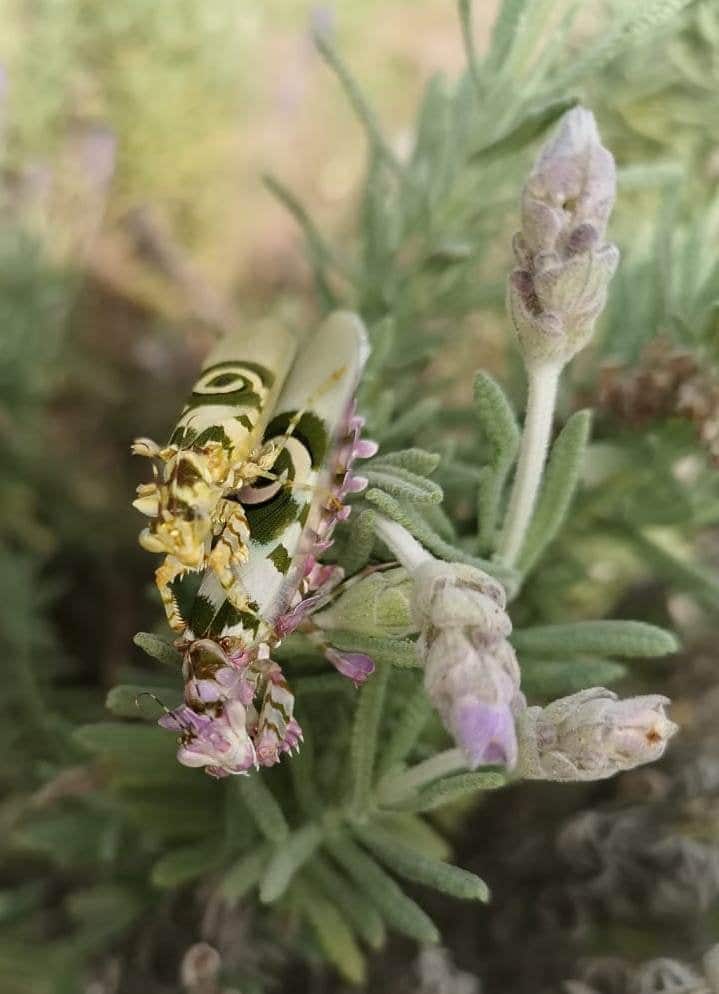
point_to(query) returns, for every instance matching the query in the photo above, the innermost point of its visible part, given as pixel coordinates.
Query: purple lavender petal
(308, 565)
(365, 448)
(323, 578)
(292, 619)
(356, 484)
(485, 733)
(354, 665)
(183, 719)
(198, 692)
(170, 722)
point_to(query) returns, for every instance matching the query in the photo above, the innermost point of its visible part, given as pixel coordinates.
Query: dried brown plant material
(668, 381)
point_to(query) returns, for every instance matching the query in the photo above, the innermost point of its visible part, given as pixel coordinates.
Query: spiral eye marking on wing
(227, 377)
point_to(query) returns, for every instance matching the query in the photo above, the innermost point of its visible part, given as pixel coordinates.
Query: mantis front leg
(229, 550)
(165, 576)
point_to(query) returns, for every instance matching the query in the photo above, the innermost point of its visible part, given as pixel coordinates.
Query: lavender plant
(471, 673)
(448, 574)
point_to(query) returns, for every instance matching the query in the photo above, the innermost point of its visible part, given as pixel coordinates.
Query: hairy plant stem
(399, 785)
(402, 545)
(541, 398)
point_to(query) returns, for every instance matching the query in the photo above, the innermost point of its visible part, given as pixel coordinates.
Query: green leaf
(496, 419)
(408, 424)
(397, 909)
(357, 550)
(245, 874)
(429, 129)
(429, 168)
(302, 772)
(333, 935)
(506, 26)
(559, 677)
(380, 228)
(414, 832)
(676, 566)
(383, 336)
(465, 19)
(363, 745)
(171, 815)
(358, 103)
(499, 427)
(404, 484)
(452, 789)
(187, 863)
(385, 651)
(414, 460)
(529, 128)
(263, 807)
(560, 482)
(161, 650)
(291, 855)
(415, 713)
(321, 255)
(323, 683)
(104, 911)
(421, 869)
(68, 838)
(140, 701)
(20, 902)
(438, 519)
(356, 908)
(633, 23)
(320, 251)
(128, 740)
(616, 638)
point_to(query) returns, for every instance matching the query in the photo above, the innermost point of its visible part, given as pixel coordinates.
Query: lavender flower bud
(377, 604)
(560, 286)
(473, 686)
(448, 595)
(471, 672)
(592, 735)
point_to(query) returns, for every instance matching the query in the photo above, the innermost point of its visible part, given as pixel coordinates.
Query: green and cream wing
(237, 389)
(284, 513)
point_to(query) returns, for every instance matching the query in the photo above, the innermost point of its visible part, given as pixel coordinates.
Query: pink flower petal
(355, 665)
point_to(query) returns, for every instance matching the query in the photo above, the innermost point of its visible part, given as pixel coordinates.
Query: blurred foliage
(115, 859)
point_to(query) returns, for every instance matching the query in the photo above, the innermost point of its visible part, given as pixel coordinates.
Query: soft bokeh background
(203, 98)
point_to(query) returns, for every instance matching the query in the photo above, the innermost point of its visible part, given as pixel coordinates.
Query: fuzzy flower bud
(472, 685)
(592, 735)
(559, 288)
(452, 595)
(471, 672)
(376, 604)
